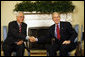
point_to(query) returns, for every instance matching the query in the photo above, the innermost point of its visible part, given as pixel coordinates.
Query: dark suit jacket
(66, 32)
(13, 33)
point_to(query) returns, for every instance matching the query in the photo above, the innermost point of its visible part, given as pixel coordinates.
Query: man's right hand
(20, 42)
(66, 42)
(32, 39)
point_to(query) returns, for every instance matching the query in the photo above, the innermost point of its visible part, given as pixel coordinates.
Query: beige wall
(8, 15)
(78, 15)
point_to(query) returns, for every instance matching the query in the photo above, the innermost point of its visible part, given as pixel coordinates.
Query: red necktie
(58, 32)
(20, 28)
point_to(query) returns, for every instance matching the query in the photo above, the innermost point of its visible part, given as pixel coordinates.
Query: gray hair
(17, 14)
(55, 13)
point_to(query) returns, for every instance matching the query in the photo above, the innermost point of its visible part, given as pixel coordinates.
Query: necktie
(20, 28)
(58, 32)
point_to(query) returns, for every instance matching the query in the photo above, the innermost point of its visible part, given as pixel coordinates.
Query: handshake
(32, 39)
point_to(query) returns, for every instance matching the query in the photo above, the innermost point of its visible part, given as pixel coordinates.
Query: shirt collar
(18, 24)
(58, 24)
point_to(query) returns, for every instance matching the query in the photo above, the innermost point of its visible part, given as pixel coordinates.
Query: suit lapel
(61, 28)
(17, 26)
(53, 30)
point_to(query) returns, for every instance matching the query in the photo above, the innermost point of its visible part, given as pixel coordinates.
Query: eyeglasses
(21, 16)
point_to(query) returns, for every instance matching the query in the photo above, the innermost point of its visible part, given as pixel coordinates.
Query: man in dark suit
(16, 36)
(64, 36)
